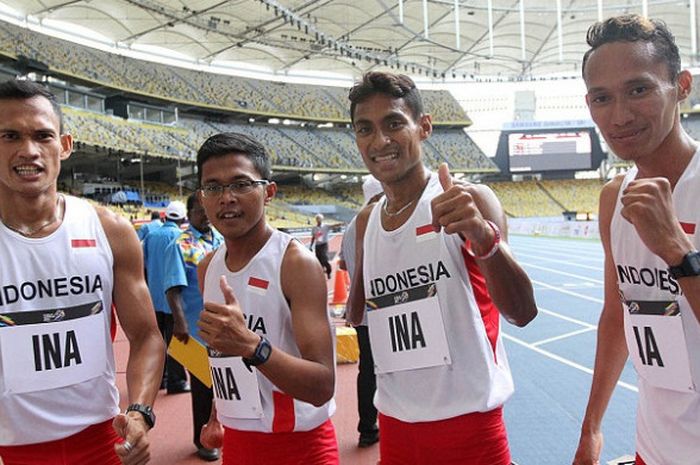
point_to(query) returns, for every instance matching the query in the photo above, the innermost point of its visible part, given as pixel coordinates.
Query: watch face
(265, 350)
(694, 262)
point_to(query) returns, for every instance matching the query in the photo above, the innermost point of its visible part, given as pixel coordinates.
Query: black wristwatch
(262, 353)
(690, 266)
(147, 412)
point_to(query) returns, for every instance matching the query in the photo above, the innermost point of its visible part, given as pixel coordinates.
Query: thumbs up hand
(445, 177)
(456, 211)
(223, 326)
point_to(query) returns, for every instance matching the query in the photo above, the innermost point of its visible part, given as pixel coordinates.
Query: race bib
(235, 386)
(49, 349)
(407, 331)
(656, 342)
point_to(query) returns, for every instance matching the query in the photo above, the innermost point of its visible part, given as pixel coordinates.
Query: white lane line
(562, 336)
(564, 291)
(565, 262)
(567, 318)
(563, 360)
(563, 273)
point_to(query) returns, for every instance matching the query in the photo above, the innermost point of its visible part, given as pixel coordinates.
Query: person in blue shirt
(182, 290)
(148, 227)
(174, 377)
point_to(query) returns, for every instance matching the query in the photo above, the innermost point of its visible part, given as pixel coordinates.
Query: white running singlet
(433, 327)
(258, 290)
(662, 332)
(56, 359)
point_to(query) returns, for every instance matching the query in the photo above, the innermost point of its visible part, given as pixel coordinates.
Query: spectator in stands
(182, 289)
(68, 407)
(366, 380)
(154, 247)
(148, 227)
(264, 306)
(319, 236)
(648, 219)
(432, 263)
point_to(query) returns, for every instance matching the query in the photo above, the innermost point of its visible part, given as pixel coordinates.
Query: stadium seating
(180, 85)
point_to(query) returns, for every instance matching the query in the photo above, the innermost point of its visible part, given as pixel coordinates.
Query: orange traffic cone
(340, 288)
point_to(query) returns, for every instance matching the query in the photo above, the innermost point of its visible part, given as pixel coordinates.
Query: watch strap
(262, 353)
(146, 411)
(689, 266)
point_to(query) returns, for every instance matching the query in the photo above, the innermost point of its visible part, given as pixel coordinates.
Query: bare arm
(134, 310)
(355, 308)
(611, 349)
(463, 209)
(180, 329)
(137, 318)
(311, 377)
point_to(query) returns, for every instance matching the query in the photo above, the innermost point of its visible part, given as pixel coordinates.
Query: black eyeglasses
(242, 186)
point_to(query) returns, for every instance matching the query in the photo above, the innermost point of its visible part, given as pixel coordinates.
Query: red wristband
(494, 247)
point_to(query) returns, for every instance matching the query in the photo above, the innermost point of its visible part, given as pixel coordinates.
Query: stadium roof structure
(429, 39)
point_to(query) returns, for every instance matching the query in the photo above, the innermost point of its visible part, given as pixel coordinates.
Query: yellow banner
(192, 356)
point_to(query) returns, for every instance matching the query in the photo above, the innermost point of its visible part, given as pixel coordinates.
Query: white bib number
(45, 356)
(408, 336)
(236, 390)
(657, 347)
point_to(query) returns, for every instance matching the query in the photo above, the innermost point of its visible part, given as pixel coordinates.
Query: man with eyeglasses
(265, 320)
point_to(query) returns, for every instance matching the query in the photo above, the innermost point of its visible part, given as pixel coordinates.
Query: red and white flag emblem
(258, 285)
(83, 243)
(425, 232)
(688, 228)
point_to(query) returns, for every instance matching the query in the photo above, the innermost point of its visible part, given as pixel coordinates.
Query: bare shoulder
(202, 268)
(301, 271)
(116, 227)
(608, 196)
(297, 255)
(606, 206)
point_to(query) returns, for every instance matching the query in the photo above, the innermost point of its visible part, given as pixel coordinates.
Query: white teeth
(388, 156)
(26, 170)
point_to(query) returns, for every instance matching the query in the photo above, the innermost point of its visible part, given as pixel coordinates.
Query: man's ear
(270, 192)
(426, 126)
(66, 146)
(684, 81)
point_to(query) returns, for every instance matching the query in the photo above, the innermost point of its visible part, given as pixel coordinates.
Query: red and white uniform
(56, 359)
(662, 333)
(248, 401)
(433, 327)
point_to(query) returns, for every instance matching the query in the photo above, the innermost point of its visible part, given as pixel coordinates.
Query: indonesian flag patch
(688, 228)
(258, 285)
(83, 243)
(425, 232)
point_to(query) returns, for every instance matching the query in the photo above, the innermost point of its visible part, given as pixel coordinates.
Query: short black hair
(20, 89)
(635, 28)
(393, 85)
(155, 215)
(191, 200)
(227, 143)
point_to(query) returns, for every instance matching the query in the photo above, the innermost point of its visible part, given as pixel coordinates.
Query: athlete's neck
(671, 158)
(32, 216)
(241, 250)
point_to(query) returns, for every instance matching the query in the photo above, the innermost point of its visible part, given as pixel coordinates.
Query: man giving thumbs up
(435, 271)
(264, 320)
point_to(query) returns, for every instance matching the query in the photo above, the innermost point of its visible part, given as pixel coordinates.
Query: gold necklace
(38, 229)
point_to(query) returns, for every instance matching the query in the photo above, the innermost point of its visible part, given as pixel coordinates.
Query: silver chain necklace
(38, 229)
(399, 211)
(405, 207)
